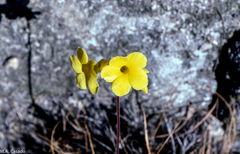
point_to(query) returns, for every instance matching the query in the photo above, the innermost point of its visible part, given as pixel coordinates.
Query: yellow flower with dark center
(127, 72)
(84, 68)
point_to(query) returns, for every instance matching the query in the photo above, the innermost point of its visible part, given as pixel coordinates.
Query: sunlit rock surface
(178, 38)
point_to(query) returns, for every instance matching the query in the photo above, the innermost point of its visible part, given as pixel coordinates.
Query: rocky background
(181, 40)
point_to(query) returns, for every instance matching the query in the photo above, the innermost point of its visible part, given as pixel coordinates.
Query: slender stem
(118, 124)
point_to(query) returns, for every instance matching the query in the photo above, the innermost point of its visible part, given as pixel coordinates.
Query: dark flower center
(124, 69)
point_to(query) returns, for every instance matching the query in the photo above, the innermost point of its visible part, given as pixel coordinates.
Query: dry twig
(169, 136)
(88, 133)
(145, 130)
(52, 148)
(199, 123)
(155, 131)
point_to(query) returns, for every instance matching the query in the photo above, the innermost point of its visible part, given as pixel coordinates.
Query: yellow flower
(84, 68)
(127, 72)
(100, 65)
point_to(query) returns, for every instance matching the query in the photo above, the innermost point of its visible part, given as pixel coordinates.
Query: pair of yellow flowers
(124, 72)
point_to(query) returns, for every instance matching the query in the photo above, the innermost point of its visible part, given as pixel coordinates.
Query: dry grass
(91, 128)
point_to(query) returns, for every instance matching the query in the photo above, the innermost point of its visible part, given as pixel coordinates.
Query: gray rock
(181, 40)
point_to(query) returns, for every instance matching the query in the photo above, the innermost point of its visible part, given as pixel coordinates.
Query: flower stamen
(124, 69)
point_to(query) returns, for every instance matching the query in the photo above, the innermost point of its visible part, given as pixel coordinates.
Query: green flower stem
(118, 124)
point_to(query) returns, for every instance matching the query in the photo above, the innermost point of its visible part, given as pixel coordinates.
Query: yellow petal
(121, 85)
(145, 70)
(137, 59)
(92, 85)
(91, 64)
(82, 55)
(88, 69)
(98, 67)
(145, 90)
(110, 73)
(76, 65)
(138, 78)
(81, 81)
(118, 61)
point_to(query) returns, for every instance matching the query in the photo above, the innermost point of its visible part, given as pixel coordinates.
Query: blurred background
(43, 111)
